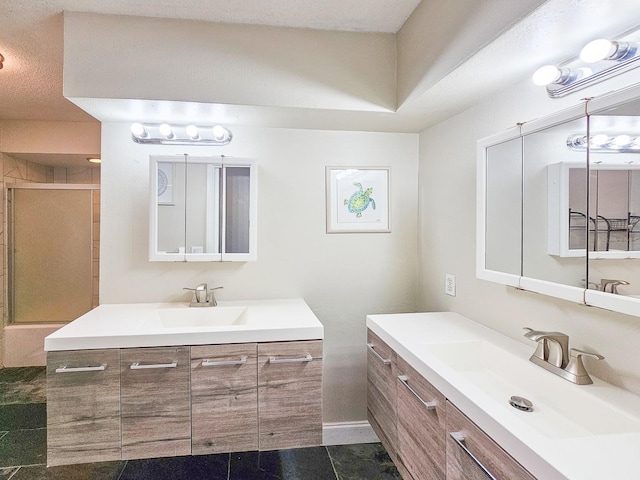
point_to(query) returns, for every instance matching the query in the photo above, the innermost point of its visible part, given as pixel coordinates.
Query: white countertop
(129, 325)
(551, 444)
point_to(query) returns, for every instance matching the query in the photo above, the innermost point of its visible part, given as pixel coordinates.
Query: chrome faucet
(202, 296)
(613, 284)
(553, 354)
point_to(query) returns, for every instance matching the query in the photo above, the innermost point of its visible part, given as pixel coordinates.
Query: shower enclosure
(51, 265)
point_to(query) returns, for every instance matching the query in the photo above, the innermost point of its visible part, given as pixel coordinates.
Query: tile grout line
(229, 467)
(333, 466)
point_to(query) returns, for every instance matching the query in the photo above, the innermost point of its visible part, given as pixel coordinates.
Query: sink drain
(521, 403)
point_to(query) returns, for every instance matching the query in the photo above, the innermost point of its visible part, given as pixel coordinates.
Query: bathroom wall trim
(346, 433)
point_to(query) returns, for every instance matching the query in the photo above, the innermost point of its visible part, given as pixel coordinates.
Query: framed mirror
(202, 208)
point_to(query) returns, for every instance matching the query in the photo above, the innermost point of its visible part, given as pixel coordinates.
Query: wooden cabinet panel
(224, 398)
(83, 406)
(289, 394)
(421, 425)
(460, 464)
(381, 391)
(156, 414)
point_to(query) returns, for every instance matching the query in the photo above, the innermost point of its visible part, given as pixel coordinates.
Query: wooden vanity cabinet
(224, 398)
(155, 403)
(83, 406)
(289, 394)
(475, 455)
(421, 422)
(381, 391)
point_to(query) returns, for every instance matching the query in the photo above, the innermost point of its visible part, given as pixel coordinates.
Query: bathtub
(24, 344)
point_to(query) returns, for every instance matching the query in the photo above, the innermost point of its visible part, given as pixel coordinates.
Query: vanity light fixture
(599, 60)
(165, 134)
(603, 143)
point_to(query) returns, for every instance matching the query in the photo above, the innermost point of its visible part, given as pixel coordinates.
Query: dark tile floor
(23, 452)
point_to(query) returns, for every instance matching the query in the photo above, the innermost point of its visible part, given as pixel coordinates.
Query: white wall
(447, 237)
(342, 277)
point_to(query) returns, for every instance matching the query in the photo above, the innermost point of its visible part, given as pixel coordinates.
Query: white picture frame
(358, 200)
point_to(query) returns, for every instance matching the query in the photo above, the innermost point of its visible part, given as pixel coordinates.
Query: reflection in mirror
(549, 210)
(171, 206)
(614, 203)
(503, 207)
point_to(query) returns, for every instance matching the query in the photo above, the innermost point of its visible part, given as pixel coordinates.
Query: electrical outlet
(450, 284)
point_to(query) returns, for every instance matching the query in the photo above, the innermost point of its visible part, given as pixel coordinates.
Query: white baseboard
(346, 433)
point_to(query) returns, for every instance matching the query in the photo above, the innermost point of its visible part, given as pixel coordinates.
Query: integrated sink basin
(203, 317)
(560, 408)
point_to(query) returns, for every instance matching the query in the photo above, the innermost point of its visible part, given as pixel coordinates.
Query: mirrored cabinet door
(202, 209)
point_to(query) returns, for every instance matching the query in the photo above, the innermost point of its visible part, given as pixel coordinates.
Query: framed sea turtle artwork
(358, 199)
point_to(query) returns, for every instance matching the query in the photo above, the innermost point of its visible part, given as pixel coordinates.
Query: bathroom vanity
(153, 380)
(439, 392)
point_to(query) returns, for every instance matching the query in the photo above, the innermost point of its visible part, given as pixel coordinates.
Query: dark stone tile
(23, 447)
(23, 385)
(366, 461)
(210, 467)
(85, 471)
(5, 473)
(23, 416)
(296, 464)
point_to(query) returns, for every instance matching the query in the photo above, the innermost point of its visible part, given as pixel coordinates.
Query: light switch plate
(450, 284)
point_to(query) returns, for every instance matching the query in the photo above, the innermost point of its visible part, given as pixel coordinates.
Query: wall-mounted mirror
(580, 204)
(202, 208)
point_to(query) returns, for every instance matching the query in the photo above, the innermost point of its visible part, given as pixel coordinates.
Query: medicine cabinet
(202, 209)
(559, 204)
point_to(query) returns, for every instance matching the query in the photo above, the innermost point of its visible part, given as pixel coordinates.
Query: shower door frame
(9, 293)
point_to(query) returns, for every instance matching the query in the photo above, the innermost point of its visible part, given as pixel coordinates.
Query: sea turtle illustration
(360, 200)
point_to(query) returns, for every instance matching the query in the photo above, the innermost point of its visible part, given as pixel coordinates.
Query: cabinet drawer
(421, 425)
(156, 416)
(381, 391)
(83, 406)
(475, 456)
(290, 394)
(224, 398)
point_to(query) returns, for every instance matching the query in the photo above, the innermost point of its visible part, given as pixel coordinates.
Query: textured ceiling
(31, 37)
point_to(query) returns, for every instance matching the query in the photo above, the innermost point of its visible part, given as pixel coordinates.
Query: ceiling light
(94, 160)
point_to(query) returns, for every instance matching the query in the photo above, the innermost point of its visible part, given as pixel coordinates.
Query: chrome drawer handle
(458, 437)
(224, 363)
(306, 358)
(371, 346)
(405, 382)
(138, 366)
(65, 369)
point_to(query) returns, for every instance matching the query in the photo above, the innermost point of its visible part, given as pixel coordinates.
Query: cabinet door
(472, 455)
(381, 391)
(83, 406)
(290, 394)
(224, 398)
(421, 425)
(156, 417)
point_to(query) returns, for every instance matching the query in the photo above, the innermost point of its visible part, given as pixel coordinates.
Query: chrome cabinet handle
(371, 346)
(224, 363)
(306, 358)
(405, 382)
(66, 369)
(138, 366)
(458, 437)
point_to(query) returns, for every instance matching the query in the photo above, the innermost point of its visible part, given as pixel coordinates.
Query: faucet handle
(576, 367)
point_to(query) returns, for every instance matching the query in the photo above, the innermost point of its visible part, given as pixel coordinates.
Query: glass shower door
(50, 254)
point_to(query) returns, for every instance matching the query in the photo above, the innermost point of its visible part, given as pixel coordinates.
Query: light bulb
(137, 130)
(621, 141)
(192, 132)
(219, 133)
(546, 75)
(599, 140)
(597, 50)
(165, 130)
